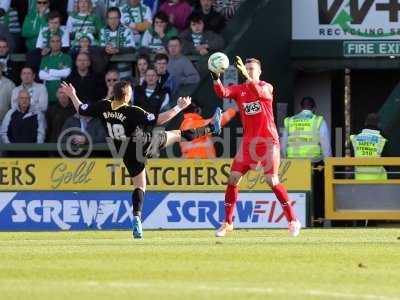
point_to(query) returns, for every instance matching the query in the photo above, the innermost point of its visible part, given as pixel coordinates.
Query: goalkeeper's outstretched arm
(224, 91)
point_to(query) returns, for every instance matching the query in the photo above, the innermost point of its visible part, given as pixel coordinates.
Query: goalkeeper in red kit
(260, 142)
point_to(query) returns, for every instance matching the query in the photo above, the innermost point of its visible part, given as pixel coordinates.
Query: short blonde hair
(253, 60)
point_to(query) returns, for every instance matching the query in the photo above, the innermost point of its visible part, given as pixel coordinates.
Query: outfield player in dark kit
(122, 120)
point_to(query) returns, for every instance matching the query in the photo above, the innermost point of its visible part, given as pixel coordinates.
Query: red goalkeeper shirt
(255, 106)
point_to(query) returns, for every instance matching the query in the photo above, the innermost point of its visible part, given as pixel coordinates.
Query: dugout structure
(349, 199)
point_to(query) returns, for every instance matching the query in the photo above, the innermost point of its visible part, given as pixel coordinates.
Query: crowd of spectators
(74, 41)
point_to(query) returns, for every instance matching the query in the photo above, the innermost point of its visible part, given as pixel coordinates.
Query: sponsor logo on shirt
(150, 117)
(252, 108)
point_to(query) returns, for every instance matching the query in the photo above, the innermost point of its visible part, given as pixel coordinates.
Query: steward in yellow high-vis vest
(303, 135)
(306, 136)
(369, 143)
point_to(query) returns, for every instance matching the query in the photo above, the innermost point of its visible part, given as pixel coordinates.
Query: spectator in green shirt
(84, 20)
(54, 28)
(55, 67)
(34, 22)
(156, 38)
(115, 38)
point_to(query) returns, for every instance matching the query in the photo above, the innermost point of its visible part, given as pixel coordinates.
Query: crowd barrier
(349, 199)
(126, 57)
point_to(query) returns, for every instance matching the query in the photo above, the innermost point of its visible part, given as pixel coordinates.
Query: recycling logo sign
(345, 19)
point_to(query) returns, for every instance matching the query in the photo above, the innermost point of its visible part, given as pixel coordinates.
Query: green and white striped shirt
(120, 38)
(10, 20)
(83, 23)
(107, 4)
(43, 40)
(137, 14)
(79, 35)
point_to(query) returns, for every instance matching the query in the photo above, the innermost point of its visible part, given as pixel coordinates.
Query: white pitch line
(348, 296)
(159, 286)
(255, 290)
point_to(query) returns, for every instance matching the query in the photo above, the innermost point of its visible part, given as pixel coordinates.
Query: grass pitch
(248, 264)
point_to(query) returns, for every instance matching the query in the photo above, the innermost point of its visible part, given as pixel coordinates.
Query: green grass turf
(248, 264)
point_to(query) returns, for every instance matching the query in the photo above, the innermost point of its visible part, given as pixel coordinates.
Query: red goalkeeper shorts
(249, 156)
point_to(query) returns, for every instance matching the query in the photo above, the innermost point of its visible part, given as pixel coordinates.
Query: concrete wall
(318, 86)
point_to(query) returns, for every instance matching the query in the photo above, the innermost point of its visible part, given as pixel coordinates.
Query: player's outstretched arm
(182, 103)
(70, 91)
(224, 91)
(263, 92)
(219, 88)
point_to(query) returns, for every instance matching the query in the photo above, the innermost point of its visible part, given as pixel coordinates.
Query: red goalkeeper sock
(231, 195)
(281, 193)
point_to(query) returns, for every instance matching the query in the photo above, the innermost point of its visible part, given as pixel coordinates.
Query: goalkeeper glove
(241, 67)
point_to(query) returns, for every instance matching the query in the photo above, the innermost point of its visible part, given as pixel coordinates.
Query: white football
(218, 62)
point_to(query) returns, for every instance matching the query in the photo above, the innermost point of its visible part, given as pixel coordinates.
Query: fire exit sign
(371, 48)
